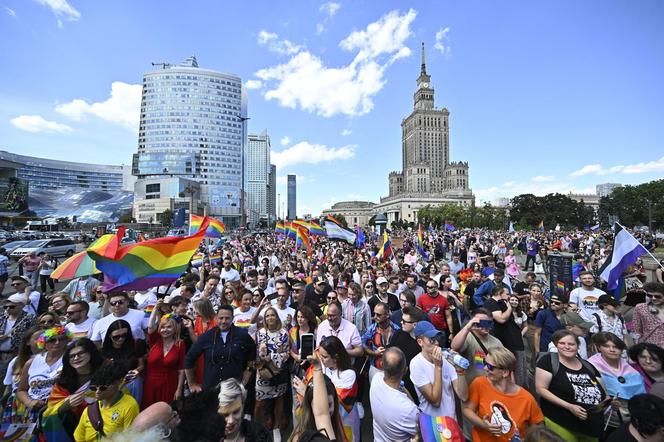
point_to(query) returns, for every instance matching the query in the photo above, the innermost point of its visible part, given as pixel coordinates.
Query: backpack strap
(599, 321)
(94, 414)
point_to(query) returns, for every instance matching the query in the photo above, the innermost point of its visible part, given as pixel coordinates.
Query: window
(151, 188)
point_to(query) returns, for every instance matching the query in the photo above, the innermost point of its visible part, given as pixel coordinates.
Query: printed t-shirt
(578, 387)
(118, 417)
(586, 300)
(513, 412)
(472, 351)
(82, 330)
(435, 308)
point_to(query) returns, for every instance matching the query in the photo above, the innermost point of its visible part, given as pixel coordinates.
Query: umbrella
(75, 266)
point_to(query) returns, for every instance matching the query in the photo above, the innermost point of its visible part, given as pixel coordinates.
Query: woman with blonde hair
(164, 379)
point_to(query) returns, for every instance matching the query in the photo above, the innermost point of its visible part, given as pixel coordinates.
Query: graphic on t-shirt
(590, 302)
(478, 359)
(586, 390)
(500, 416)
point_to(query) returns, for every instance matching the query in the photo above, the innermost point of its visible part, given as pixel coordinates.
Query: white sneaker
(360, 410)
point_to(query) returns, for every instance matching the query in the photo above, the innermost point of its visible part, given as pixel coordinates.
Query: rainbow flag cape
(385, 251)
(302, 239)
(215, 228)
(316, 229)
(420, 244)
(146, 264)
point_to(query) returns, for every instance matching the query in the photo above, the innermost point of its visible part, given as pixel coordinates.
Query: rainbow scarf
(215, 228)
(146, 264)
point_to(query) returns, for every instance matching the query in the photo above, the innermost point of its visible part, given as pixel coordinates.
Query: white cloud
(320, 28)
(585, 170)
(306, 82)
(329, 8)
(442, 41)
(62, 10)
(355, 196)
(305, 152)
(346, 132)
(253, 84)
(542, 178)
(10, 12)
(536, 188)
(329, 203)
(284, 47)
(285, 141)
(122, 107)
(36, 123)
(509, 184)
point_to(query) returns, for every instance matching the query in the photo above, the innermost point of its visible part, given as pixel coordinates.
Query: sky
(550, 96)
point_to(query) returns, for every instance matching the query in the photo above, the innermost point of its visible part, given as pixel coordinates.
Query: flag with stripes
(626, 249)
(336, 230)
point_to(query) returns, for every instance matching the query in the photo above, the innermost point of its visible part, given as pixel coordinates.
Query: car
(126, 240)
(13, 245)
(54, 247)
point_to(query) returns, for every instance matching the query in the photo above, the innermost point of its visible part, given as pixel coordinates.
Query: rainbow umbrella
(76, 266)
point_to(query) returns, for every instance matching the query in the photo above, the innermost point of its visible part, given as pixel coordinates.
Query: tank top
(42, 376)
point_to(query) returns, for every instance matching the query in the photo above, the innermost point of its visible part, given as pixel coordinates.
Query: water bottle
(455, 358)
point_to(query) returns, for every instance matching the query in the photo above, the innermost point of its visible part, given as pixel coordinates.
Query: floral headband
(53, 332)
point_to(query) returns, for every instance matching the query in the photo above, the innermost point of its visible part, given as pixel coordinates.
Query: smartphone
(272, 296)
(306, 345)
(485, 323)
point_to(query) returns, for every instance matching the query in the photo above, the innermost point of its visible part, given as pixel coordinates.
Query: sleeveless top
(42, 376)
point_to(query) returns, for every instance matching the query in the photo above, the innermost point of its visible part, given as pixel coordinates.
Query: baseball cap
(573, 318)
(425, 328)
(557, 297)
(21, 278)
(319, 280)
(15, 299)
(607, 299)
(381, 280)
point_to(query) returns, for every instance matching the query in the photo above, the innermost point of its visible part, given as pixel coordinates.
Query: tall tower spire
(423, 71)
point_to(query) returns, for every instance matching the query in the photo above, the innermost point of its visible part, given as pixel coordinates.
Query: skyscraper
(193, 125)
(272, 208)
(258, 174)
(292, 195)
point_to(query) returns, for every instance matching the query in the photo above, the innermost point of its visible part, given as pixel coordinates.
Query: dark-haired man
(119, 307)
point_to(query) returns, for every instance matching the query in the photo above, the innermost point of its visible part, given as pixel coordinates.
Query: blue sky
(544, 96)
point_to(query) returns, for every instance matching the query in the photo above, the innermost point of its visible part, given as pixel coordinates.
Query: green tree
(342, 219)
(526, 207)
(165, 218)
(126, 218)
(63, 222)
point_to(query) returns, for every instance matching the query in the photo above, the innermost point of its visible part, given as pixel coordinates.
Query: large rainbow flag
(279, 228)
(420, 244)
(215, 228)
(302, 239)
(316, 229)
(146, 264)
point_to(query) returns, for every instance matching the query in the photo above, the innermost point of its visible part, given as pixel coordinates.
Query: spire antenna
(424, 66)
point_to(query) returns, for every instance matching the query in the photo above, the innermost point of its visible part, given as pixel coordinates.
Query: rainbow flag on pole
(316, 229)
(279, 228)
(146, 264)
(302, 240)
(215, 227)
(420, 244)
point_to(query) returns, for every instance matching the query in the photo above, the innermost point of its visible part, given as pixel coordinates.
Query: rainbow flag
(439, 429)
(385, 251)
(291, 232)
(279, 228)
(420, 244)
(146, 264)
(302, 239)
(215, 228)
(316, 229)
(301, 223)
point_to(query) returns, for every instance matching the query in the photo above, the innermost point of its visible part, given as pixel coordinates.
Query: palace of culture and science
(428, 177)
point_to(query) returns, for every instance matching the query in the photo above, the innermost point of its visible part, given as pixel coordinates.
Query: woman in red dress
(164, 380)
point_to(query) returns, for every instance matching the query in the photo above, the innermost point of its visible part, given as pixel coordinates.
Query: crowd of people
(458, 339)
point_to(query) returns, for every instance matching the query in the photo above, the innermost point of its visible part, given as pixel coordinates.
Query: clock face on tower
(425, 84)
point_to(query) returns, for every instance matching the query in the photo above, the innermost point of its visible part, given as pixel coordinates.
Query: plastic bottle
(455, 358)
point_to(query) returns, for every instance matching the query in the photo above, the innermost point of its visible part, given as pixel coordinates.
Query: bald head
(394, 363)
(156, 414)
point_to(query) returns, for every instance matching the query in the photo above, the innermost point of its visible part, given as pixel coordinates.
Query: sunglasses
(491, 367)
(71, 312)
(331, 298)
(116, 303)
(47, 322)
(14, 284)
(431, 287)
(556, 303)
(118, 337)
(98, 387)
(403, 321)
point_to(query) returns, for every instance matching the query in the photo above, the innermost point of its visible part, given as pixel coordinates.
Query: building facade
(605, 189)
(193, 125)
(428, 176)
(272, 194)
(44, 173)
(355, 212)
(292, 197)
(259, 174)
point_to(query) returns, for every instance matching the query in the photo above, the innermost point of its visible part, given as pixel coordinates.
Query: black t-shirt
(410, 348)
(622, 434)
(576, 387)
(521, 288)
(508, 333)
(392, 302)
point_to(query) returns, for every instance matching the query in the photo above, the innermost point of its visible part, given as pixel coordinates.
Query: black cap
(607, 299)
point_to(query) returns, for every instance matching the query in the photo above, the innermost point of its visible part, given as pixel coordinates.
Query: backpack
(555, 363)
(599, 321)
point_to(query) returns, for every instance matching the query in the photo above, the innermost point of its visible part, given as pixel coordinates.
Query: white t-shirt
(421, 373)
(232, 275)
(586, 300)
(82, 330)
(135, 318)
(6, 345)
(283, 315)
(340, 379)
(9, 376)
(145, 299)
(394, 414)
(34, 302)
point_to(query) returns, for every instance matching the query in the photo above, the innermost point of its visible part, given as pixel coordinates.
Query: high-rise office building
(193, 126)
(292, 196)
(605, 189)
(272, 194)
(259, 179)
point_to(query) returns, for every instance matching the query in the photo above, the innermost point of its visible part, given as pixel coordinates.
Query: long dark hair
(24, 349)
(128, 346)
(335, 348)
(307, 423)
(69, 377)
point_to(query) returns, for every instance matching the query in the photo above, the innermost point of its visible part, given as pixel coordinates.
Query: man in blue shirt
(547, 322)
(485, 290)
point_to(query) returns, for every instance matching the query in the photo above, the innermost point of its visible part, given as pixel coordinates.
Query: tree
(166, 218)
(342, 219)
(635, 205)
(126, 218)
(372, 221)
(63, 222)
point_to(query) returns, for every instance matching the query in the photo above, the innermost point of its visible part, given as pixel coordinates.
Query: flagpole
(647, 251)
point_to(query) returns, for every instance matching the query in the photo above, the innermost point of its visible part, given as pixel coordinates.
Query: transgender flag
(626, 249)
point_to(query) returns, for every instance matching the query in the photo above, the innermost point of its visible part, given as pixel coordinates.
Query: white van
(54, 247)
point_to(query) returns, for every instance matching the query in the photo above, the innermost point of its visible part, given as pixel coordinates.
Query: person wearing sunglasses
(48, 320)
(13, 324)
(120, 345)
(39, 374)
(547, 322)
(24, 287)
(118, 303)
(649, 317)
(70, 394)
(497, 408)
(78, 321)
(115, 409)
